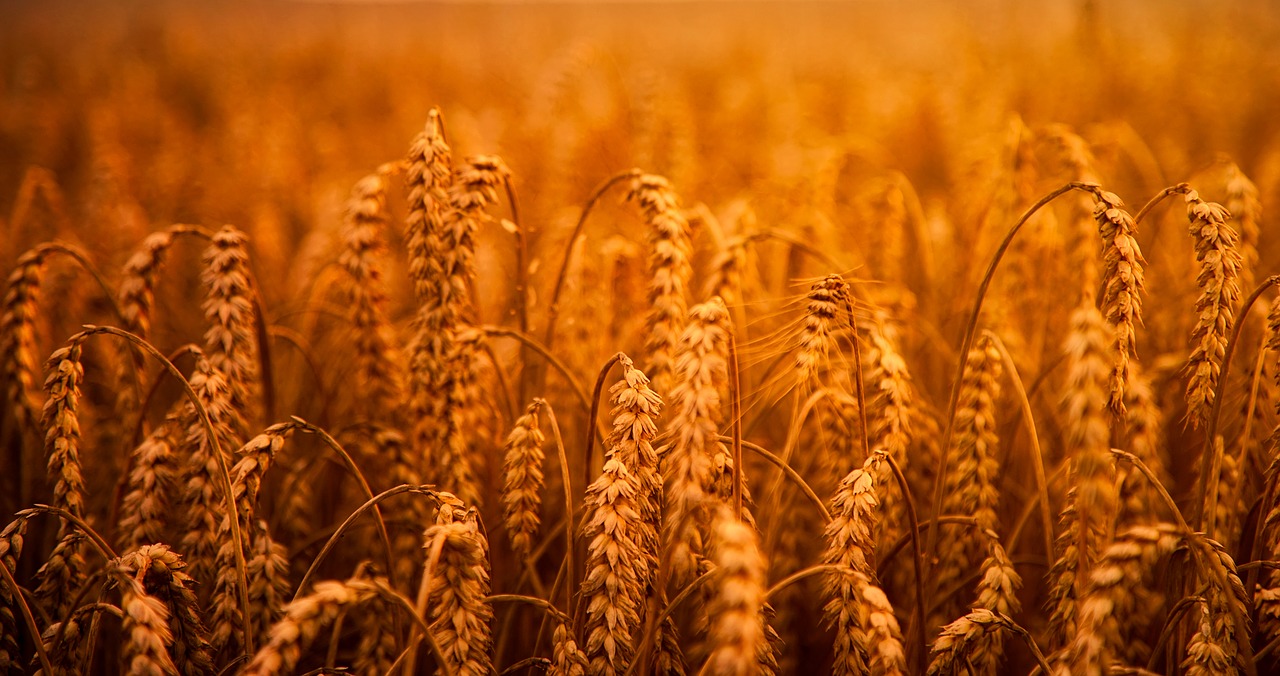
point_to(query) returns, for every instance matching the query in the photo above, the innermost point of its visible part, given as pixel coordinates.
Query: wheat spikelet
(1246, 210)
(202, 498)
(268, 572)
(362, 257)
(669, 273)
(522, 492)
(137, 295)
(953, 647)
(255, 458)
(1112, 595)
(230, 340)
(428, 175)
(1123, 284)
(1219, 279)
(1088, 434)
(303, 619)
(10, 549)
(868, 639)
(152, 481)
(613, 583)
(17, 333)
(695, 419)
(737, 632)
(972, 470)
(161, 572)
(1224, 619)
(459, 614)
(997, 592)
(821, 321)
(892, 397)
(146, 624)
(1144, 422)
(62, 574)
(567, 658)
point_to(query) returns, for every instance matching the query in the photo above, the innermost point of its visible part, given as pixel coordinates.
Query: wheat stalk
(973, 468)
(62, 573)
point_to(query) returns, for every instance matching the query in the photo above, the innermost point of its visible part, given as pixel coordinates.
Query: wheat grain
(230, 340)
(737, 632)
(669, 273)
(567, 658)
(1219, 279)
(459, 614)
(17, 331)
(522, 490)
(701, 370)
(1123, 285)
(303, 619)
(362, 257)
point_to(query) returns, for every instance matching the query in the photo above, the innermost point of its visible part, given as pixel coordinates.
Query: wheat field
(690, 337)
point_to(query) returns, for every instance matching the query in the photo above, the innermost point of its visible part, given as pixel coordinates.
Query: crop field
(640, 337)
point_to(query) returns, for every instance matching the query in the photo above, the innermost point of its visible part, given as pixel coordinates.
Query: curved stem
(528, 600)
(671, 606)
(364, 484)
(1159, 197)
(1211, 459)
(1164, 494)
(103, 548)
(342, 529)
(1037, 455)
(735, 397)
(27, 617)
(553, 310)
(789, 472)
(542, 350)
(915, 537)
(237, 538)
(595, 411)
(967, 343)
(799, 575)
(568, 494)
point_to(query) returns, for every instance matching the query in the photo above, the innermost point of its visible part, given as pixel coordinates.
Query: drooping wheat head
(1112, 594)
(303, 619)
(1217, 250)
(203, 495)
(1123, 284)
(459, 614)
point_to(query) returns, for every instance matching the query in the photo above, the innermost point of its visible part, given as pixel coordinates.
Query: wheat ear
(522, 488)
(459, 613)
(1217, 250)
(153, 479)
(303, 619)
(1123, 285)
(737, 634)
(669, 273)
(231, 343)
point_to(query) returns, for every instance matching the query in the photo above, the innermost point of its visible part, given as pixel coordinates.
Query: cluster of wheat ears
(755, 487)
